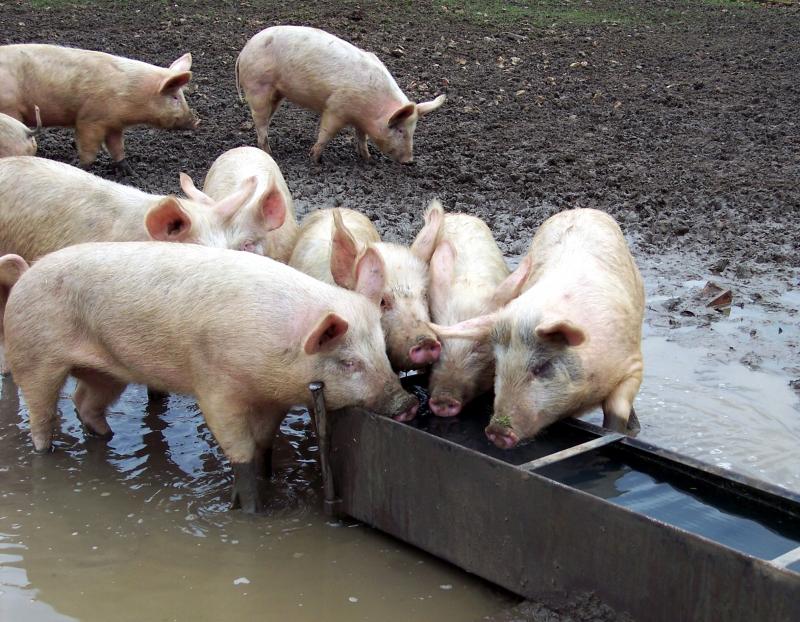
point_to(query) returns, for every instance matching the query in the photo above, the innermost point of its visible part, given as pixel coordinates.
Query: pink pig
(345, 84)
(98, 94)
(16, 139)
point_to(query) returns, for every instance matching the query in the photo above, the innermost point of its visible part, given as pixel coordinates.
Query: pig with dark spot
(469, 278)
(572, 340)
(346, 85)
(47, 205)
(16, 139)
(243, 333)
(96, 93)
(266, 225)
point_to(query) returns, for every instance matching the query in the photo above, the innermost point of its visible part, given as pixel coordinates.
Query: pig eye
(350, 365)
(385, 304)
(248, 246)
(540, 369)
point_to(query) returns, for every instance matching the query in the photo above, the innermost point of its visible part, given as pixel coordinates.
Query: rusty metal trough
(655, 535)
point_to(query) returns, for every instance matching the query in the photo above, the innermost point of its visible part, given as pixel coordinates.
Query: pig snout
(501, 435)
(189, 122)
(444, 406)
(408, 414)
(425, 352)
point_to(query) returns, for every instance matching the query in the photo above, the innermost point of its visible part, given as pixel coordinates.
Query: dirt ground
(678, 117)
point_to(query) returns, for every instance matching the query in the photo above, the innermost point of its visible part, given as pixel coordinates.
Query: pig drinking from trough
(328, 249)
(253, 228)
(243, 333)
(96, 93)
(16, 139)
(47, 205)
(469, 278)
(345, 84)
(572, 340)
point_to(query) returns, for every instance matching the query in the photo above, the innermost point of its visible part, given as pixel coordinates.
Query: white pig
(16, 139)
(469, 278)
(572, 340)
(11, 268)
(243, 333)
(255, 226)
(346, 85)
(47, 205)
(98, 94)
(334, 254)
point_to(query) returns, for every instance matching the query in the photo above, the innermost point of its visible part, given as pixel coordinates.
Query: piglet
(47, 205)
(266, 224)
(469, 278)
(346, 85)
(16, 139)
(572, 340)
(98, 94)
(243, 333)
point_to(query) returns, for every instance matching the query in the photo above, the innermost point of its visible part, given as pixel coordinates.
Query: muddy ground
(680, 118)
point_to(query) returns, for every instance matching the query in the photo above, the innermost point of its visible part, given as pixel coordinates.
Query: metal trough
(653, 534)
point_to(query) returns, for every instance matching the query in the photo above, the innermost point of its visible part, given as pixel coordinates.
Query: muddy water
(138, 530)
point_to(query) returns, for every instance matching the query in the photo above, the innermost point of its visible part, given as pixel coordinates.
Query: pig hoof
(154, 395)
(43, 451)
(248, 488)
(633, 426)
(124, 169)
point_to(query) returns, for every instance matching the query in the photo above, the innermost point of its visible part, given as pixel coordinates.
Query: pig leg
(329, 126)
(41, 387)
(617, 407)
(115, 144)
(95, 392)
(89, 137)
(361, 145)
(4, 370)
(266, 105)
(227, 420)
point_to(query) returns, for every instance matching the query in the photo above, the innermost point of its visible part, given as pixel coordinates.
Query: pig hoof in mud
(249, 494)
(124, 169)
(633, 426)
(154, 395)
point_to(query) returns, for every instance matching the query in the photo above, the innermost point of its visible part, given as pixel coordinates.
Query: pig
(98, 94)
(571, 341)
(47, 205)
(469, 278)
(333, 255)
(11, 268)
(346, 85)
(253, 227)
(242, 333)
(16, 139)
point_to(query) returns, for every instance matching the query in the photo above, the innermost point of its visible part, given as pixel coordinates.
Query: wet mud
(677, 117)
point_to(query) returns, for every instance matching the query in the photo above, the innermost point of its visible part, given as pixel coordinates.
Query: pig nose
(502, 437)
(426, 352)
(408, 415)
(445, 406)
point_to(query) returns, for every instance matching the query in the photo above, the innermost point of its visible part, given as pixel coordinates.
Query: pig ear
(426, 240)
(232, 203)
(561, 329)
(272, 208)
(174, 82)
(184, 63)
(401, 114)
(344, 251)
(371, 276)
(424, 108)
(442, 266)
(167, 221)
(329, 329)
(477, 328)
(512, 285)
(11, 268)
(191, 191)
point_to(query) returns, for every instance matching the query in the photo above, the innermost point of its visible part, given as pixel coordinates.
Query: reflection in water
(138, 529)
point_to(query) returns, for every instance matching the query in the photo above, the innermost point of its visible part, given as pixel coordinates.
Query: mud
(678, 118)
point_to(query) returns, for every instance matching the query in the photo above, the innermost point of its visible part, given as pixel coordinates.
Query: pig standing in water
(572, 340)
(469, 278)
(16, 139)
(242, 333)
(47, 205)
(330, 251)
(98, 94)
(270, 202)
(346, 85)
